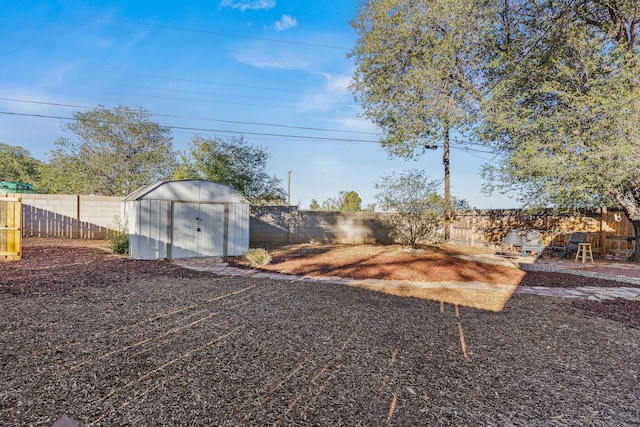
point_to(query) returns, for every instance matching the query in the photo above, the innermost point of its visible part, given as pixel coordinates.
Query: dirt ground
(390, 262)
(111, 341)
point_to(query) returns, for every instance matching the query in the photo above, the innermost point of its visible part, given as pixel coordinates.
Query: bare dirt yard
(110, 341)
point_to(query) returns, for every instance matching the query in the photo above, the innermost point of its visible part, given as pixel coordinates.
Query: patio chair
(574, 241)
(556, 247)
(532, 242)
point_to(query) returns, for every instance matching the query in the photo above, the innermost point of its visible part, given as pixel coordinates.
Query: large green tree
(235, 163)
(16, 164)
(564, 102)
(113, 152)
(415, 75)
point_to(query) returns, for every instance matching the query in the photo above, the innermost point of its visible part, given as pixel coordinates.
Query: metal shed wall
(148, 222)
(238, 237)
(184, 219)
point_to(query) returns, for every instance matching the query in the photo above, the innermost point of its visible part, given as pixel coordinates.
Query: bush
(118, 235)
(413, 210)
(257, 257)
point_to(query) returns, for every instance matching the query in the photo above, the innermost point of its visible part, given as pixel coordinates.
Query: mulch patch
(56, 270)
(568, 280)
(109, 341)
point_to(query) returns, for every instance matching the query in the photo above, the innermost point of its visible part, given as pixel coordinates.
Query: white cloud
(337, 83)
(260, 56)
(286, 22)
(334, 95)
(358, 124)
(57, 75)
(248, 4)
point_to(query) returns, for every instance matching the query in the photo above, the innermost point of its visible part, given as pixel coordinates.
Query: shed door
(197, 230)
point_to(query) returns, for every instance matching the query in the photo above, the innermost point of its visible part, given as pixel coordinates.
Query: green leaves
(562, 109)
(16, 164)
(412, 208)
(235, 163)
(113, 153)
(415, 69)
(347, 201)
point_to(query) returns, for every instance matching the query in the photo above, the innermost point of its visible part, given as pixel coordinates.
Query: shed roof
(189, 190)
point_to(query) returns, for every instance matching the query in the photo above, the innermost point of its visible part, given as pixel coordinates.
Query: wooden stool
(584, 251)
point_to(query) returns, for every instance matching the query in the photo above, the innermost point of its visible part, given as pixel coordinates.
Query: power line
(217, 33)
(195, 118)
(314, 138)
(219, 102)
(231, 95)
(301, 137)
(456, 144)
(178, 79)
(196, 92)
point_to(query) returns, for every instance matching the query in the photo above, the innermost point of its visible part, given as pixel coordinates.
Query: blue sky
(275, 71)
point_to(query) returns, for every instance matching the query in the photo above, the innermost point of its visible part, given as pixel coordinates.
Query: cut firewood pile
(97, 339)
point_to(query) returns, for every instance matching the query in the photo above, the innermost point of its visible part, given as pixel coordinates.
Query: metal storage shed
(186, 219)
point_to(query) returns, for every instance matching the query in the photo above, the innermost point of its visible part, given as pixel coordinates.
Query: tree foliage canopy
(410, 206)
(347, 201)
(416, 73)
(113, 153)
(564, 103)
(414, 69)
(551, 86)
(235, 163)
(16, 164)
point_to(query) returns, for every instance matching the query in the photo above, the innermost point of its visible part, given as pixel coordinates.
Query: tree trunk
(629, 199)
(447, 184)
(635, 256)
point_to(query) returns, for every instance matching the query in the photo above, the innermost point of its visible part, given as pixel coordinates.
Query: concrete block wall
(90, 217)
(100, 210)
(341, 227)
(68, 216)
(283, 224)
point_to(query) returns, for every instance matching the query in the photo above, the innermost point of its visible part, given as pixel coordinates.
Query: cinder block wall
(89, 217)
(283, 224)
(68, 216)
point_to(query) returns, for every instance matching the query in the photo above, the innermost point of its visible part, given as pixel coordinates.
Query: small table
(584, 252)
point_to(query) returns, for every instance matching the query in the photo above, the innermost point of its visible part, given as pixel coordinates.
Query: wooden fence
(10, 227)
(609, 231)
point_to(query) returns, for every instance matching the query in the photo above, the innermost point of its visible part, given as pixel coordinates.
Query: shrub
(257, 257)
(413, 211)
(118, 235)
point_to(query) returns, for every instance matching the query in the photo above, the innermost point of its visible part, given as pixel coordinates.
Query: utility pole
(289, 190)
(447, 184)
(447, 179)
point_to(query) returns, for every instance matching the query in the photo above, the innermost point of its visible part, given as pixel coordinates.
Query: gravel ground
(113, 342)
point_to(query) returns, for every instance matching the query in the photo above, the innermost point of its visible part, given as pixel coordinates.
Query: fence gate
(10, 227)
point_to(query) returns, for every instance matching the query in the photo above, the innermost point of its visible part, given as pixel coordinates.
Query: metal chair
(574, 241)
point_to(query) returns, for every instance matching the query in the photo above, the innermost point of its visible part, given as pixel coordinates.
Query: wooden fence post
(474, 226)
(603, 231)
